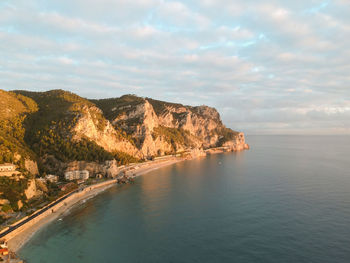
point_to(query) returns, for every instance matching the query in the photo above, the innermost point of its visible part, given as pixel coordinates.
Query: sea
(287, 199)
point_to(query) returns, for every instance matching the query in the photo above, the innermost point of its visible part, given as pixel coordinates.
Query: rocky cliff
(159, 127)
(91, 125)
(56, 131)
(59, 126)
(71, 128)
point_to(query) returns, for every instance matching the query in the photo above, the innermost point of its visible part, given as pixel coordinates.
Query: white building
(76, 175)
(7, 167)
(41, 179)
(51, 178)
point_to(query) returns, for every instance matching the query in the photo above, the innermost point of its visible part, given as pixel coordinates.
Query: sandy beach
(16, 242)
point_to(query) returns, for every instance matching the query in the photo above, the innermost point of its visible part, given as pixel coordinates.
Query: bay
(287, 199)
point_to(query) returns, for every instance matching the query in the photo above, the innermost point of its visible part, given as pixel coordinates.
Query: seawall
(72, 199)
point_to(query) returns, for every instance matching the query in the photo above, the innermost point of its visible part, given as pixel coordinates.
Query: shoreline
(16, 242)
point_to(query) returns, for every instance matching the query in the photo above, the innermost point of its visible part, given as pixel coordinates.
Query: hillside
(57, 127)
(56, 131)
(14, 109)
(68, 128)
(159, 127)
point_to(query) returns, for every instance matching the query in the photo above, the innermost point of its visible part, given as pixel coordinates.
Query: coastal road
(12, 228)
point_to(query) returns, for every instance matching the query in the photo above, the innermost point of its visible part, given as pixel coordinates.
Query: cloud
(269, 67)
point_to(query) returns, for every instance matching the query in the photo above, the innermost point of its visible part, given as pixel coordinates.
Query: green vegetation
(68, 188)
(53, 190)
(40, 123)
(13, 105)
(55, 142)
(127, 134)
(178, 116)
(14, 109)
(6, 208)
(160, 106)
(13, 190)
(123, 135)
(54, 106)
(49, 129)
(173, 136)
(12, 141)
(65, 149)
(225, 135)
(40, 126)
(123, 158)
(114, 107)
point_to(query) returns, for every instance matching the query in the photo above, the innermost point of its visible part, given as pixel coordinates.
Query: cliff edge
(58, 127)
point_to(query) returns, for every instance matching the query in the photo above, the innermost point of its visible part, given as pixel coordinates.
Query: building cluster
(51, 178)
(76, 175)
(7, 167)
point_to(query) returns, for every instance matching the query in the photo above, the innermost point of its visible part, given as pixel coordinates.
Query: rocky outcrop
(158, 146)
(19, 204)
(144, 117)
(41, 186)
(238, 144)
(93, 126)
(62, 127)
(160, 127)
(195, 153)
(199, 121)
(31, 190)
(140, 121)
(4, 202)
(31, 166)
(34, 188)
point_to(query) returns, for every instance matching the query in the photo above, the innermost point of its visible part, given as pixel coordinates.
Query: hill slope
(70, 128)
(159, 127)
(14, 109)
(61, 131)
(62, 127)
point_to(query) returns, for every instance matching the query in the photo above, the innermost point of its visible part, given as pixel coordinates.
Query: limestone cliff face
(199, 121)
(31, 166)
(34, 188)
(160, 127)
(238, 144)
(31, 190)
(90, 124)
(64, 127)
(140, 122)
(144, 117)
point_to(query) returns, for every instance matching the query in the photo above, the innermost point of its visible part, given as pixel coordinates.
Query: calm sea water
(285, 200)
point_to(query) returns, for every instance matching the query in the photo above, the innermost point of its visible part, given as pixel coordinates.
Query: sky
(269, 67)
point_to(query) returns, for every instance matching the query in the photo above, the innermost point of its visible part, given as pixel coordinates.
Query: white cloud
(264, 66)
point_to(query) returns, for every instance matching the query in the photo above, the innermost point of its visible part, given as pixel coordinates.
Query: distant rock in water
(56, 128)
